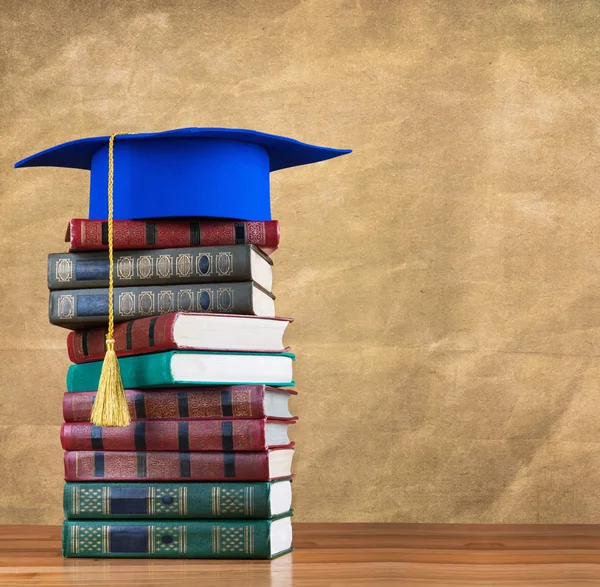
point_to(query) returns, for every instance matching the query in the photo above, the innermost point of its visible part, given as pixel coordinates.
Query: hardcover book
(249, 539)
(139, 500)
(85, 308)
(196, 403)
(181, 331)
(90, 235)
(170, 266)
(178, 466)
(189, 368)
(178, 435)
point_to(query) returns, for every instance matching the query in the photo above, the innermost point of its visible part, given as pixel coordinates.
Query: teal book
(187, 368)
(245, 539)
(220, 500)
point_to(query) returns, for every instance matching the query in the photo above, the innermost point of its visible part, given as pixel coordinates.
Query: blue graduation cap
(215, 172)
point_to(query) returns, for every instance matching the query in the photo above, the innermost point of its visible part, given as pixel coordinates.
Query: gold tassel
(110, 406)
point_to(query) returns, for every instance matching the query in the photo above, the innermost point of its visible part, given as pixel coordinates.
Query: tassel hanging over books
(110, 406)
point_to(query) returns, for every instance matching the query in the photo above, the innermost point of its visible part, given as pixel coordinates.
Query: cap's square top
(217, 172)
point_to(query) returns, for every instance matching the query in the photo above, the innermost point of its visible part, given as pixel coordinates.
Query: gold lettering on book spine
(164, 266)
(126, 303)
(225, 299)
(183, 265)
(106, 500)
(66, 306)
(204, 264)
(233, 540)
(64, 270)
(125, 267)
(241, 400)
(146, 303)
(150, 497)
(185, 300)
(224, 263)
(89, 540)
(145, 267)
(167, 538)
(166, 302)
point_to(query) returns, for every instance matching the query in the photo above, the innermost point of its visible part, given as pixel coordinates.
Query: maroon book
(178, 466)
(224, 402)
(92, 235)
(158, 333)
(178, 435)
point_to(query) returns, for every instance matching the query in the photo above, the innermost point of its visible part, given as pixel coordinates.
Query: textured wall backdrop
(444, 277)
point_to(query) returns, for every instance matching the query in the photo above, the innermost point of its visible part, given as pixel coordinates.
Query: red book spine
(166, 466)
(146, 335)
(169, 435)
(91, 235)
(225, 402)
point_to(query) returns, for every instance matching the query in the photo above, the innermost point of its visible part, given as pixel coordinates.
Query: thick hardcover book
(85, 308)
(170, 266)
(181, 331)
(92, 235)
(178, 466)
(258, 539)
(187, 368)
(196, 403)
(92, 501)
(178, 435)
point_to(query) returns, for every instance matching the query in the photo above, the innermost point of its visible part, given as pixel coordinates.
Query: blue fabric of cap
(191, 172)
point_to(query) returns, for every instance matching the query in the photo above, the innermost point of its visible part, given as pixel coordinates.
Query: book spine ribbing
(249, 539)
(138, 267)
(170, 435)
(84, 308)
(225, 402)
(166, 466)
(166, 500)
(90, 235)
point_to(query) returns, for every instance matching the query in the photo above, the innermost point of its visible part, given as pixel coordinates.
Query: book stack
(208, 437)
(203, 469)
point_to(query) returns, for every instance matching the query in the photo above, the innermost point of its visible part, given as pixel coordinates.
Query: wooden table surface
(335, 555)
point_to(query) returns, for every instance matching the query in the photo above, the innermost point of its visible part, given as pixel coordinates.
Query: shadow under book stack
(204, 468)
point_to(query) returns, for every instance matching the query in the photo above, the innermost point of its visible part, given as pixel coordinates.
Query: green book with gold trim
(246, 539)
(260, 500)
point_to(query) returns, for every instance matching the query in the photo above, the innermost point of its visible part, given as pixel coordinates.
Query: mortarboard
(214, 172)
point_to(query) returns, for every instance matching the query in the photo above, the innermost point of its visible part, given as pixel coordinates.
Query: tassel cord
(110, 406)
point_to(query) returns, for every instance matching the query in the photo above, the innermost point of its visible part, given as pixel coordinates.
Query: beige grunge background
(444, 277)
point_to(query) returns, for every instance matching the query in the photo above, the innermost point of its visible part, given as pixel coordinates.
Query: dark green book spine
(93, 501)
(152, 267)
(84, 308)
(249, 539)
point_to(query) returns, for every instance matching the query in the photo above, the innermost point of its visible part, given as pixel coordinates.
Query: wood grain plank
(335, 555)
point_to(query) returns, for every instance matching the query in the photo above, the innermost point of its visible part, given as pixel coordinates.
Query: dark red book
(178, 466)
(179, 435)
(92, 235)
(181, 331)
(223, 402)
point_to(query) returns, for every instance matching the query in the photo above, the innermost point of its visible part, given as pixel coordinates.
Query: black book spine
(84, 308)
(152, 267)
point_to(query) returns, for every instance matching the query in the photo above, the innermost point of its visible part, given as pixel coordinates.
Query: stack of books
(204, 468)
